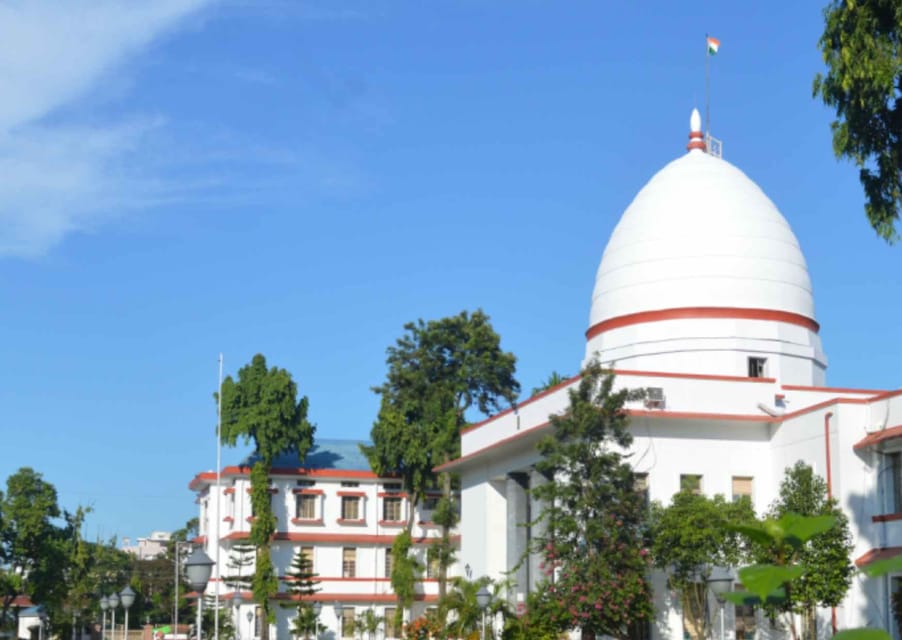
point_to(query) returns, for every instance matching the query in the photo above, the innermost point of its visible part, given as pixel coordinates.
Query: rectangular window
(350, 508)
(691, 483)
(347, 622)
(305, 507)
(307, 484)
(350, 484)
(389, 563)
(742, 487)
(745, 618)
(391, 509)
(433, 568)
(640, 486)
(894, 481)
(430, 502)
(349, 563)
(757, 367)
(639, 630)
(307, 554)
(391, 486)
(388, 615)
(258, 622)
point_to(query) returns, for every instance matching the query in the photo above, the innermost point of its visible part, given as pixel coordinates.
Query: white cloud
(60, 177)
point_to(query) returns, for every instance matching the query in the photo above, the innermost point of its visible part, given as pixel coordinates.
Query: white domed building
(703, 297)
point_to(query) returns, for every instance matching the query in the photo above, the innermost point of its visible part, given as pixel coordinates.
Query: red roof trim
(701, 313)
(877, 437)
(624, 372)
(352, 494)
(887, 517)
(802, 387)
(453, 463)
(690, 376)
(529, 400)
(308, 492)
(338, 538)
(877, 554)
(693, 415)
(356, 598)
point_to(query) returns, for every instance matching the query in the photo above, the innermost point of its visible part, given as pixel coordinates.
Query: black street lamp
(127, 596)
(198, 568)
(483, 598)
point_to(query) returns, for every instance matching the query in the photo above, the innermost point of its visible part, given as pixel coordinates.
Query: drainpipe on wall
(827, 417)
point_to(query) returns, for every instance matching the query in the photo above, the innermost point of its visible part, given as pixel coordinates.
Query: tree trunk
(693, 600)
(809, 624)
(446, 536)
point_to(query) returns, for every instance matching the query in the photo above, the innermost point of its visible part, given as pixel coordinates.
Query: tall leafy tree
(438, 371)
(32, 556)
(828, 570)
(862, 48)
(689, 537)
(593, 546)
(262, 406)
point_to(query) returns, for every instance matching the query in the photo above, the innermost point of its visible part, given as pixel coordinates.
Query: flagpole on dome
(711, 47)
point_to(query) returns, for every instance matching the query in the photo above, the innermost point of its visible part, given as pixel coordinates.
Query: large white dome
(700, 241)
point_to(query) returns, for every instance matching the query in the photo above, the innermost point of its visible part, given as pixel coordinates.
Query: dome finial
(696, 138)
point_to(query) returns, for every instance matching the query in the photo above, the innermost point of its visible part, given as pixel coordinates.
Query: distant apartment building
(337, 512)
(148, 548)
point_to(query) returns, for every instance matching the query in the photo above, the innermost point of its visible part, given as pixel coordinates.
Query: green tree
(368, 624)
(689, 538)
(593, 516)
(770, 583)
(263, 406)
(404, 572)
(303, 586)
(553, 380)
(32, 549)
(829, 571)
(437, 372)
(463, 604)
(862, 48)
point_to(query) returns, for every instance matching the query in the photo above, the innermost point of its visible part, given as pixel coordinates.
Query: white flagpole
(707, 90)
(218, 501)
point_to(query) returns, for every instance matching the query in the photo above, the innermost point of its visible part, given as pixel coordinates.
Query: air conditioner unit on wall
(654, 398)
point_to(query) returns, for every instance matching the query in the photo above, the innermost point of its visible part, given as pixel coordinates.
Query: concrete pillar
(517, 488)
(536, 531)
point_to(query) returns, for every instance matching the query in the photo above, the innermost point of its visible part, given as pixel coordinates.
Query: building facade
(332, 509)
(150, 547)
(703, 298)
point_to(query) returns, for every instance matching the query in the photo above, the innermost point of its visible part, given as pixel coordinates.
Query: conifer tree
(303, 586)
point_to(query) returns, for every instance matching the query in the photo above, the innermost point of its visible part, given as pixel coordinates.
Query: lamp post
(198, 568)
(720, 587)
(250, 624)
(236, 601)
(483, 598)
(114, 602)
(175, 603)
(338, 609)
(317, 607)
(127, 596)
(104, 605)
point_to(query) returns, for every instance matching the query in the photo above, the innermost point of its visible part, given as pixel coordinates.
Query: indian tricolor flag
(713, 46)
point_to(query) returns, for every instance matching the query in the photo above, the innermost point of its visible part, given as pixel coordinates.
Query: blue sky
(186, 177)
